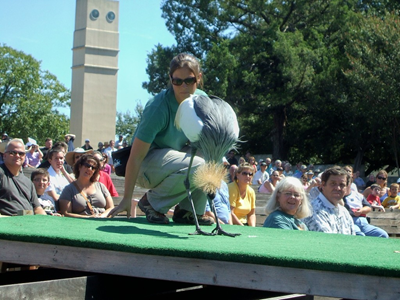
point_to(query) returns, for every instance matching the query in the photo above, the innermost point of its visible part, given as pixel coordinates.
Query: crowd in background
(56, 166)
(307, 198)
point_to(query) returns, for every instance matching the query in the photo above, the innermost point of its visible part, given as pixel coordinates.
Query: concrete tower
(94, 71)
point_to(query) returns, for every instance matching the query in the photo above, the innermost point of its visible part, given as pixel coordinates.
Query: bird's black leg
(187, 185)
(218, 229)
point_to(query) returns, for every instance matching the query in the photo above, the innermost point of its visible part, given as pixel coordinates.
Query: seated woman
(381, 179)
(269, 185)
(85, 197)
(104, 178)
(104, 166)
(287, 205)
(242, 197)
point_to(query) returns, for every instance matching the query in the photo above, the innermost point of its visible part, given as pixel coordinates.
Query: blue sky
(44, 29)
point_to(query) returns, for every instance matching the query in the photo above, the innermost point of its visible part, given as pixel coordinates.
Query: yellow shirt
(242, 206)
(391, 201)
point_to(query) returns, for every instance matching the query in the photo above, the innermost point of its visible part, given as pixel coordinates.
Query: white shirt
(329, 218)
(108, 151)
(260, 175)
(57, 182)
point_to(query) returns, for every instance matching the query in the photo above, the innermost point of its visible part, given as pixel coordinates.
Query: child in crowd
(393, 201)
(41, 180)
(373, 198)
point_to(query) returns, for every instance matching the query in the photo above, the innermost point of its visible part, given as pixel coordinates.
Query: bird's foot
(219, 231)
(201, 232)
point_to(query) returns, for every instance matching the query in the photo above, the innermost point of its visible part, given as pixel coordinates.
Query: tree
(373, 49)
(127, 123)
(273, 50)
(29, 98)
(282, 66)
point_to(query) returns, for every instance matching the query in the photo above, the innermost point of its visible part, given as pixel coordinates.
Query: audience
(17, 192)
(269, 185)
(359, 182)
(59, 177)
(371, 180)
(69, 140)
(48, 144)
(86, 197)
(34, 155)
(261, 175)
(118, 144)
(242, 197)
(381, 179)
(104, 166)
(72, 157)
(87, 145)
(41, 180)
(287, 205)
(110, 149)
(288, 170)
(101, 147)
(358, 207)
(104, 177)
(222, 206)
(231, 158)
(393, 201)
(373, 198)
(328, 214)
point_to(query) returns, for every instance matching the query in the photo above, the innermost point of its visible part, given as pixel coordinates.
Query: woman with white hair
(287, 205)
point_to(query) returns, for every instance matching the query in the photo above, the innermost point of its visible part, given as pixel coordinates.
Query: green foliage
(302, 76)
(373, 50)
(127, 122)
(158, 65)
(29, 98)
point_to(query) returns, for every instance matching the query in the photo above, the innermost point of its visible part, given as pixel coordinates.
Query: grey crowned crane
(211, 126)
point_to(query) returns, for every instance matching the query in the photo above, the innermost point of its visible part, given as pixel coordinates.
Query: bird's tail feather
(208, 177)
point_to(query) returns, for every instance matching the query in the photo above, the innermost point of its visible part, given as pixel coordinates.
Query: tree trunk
(358, 159)
(277, 137)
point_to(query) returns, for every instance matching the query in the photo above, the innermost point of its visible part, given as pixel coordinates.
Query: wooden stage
(230, 272)
(85, 272)
(202, 272)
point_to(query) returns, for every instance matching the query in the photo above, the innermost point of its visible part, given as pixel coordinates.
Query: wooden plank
(71, 288)
(385, 222)
(216, 273)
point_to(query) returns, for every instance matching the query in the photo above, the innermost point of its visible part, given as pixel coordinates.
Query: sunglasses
(13, 153)
(247, 173)
(187, 81)
(89, 166)
(380, 177)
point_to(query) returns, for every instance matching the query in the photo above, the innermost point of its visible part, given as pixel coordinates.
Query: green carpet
(274, 247)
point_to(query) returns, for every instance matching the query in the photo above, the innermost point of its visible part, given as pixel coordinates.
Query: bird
(211, 126)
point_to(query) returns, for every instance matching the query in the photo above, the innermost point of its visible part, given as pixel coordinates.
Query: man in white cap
(17, 192)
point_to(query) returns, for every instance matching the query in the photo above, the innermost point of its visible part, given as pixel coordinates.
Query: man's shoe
(184, 216)
(152, 215)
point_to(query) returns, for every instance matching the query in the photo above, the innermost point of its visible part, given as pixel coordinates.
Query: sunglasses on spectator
(13, 153)
(247, 173)
(89, 166)
(380, 177)
(187, 81)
